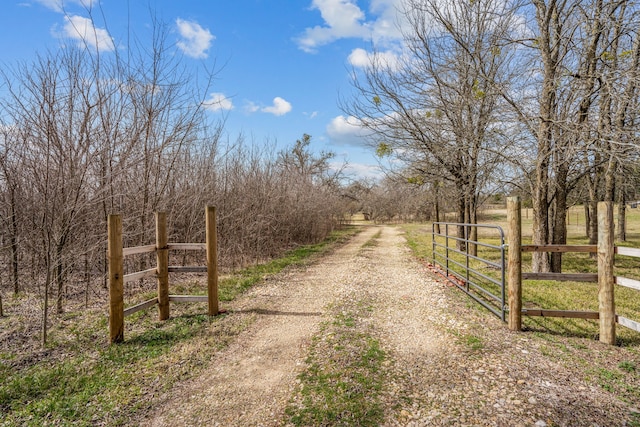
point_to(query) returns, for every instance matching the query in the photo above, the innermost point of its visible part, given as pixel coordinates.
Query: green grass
(619, 382)
(86, 382)
(627, 366)
(473, 342)
(105, 384)
(344, 378)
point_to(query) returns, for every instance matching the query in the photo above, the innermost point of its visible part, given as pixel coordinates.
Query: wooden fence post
(514, 266)
(606, 257)
(162, 256)
(116, 279)
(212, 260)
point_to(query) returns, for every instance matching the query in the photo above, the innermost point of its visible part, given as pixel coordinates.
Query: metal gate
(477, 267)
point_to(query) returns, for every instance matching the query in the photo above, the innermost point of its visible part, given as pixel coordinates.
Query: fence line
(605, 278)
(117, 278)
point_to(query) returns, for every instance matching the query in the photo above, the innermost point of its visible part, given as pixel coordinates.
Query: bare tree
(85, 135)
(51, 100)
(440, 105)
(572, 49)
(10, 167)
(88, 133)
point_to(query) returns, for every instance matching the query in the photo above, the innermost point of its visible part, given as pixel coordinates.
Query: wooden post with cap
(606, 258)
(162, 257)
(514, 266)
(116, 279)
(212, 260)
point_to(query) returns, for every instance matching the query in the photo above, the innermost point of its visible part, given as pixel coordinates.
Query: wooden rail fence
(117, 278)
(605, 278)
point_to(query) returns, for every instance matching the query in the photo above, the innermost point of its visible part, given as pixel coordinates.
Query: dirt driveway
(453, 363)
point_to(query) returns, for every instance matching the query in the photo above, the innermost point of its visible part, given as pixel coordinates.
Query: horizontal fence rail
(559, 248)
(138, 250)
(628, 283)
(456, 258)
(562, 277)
(145, 274)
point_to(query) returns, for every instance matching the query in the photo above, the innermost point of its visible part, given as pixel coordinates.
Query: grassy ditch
(79, 380)
(343, 382)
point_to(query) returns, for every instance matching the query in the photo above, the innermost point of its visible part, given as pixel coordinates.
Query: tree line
(531, 97)
(536, 98)
(84, 134)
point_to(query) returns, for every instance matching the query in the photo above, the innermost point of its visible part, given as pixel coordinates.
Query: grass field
(552, 294)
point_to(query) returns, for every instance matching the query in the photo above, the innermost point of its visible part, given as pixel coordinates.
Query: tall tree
(571, 48)
(439, 104)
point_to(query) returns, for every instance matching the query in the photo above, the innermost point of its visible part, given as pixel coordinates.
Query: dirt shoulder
(449, 363)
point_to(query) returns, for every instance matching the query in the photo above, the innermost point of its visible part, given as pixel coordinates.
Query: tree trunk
(593, 222)
(622, 217)
(45, 309)
(540, 260)
(461, 216)
(436, 204)
(59, 279)
(87, 279)
(610, 180)
(559, 234)
(467, 220)
(587, 219)
(549, 24)
(473, 219)
(14, 245)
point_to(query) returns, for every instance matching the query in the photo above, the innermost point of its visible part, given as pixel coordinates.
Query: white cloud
(280, 107)
(361, 170)
(83, 30)
(55, 5)
(346, 131)
(218, 101)
(389, 19)
(195, 40)
(344, 19)
(251, 107)
(59, 5)
(360, 58)
(341, 15)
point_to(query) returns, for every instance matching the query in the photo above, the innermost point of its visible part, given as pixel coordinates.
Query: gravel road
(452, 363)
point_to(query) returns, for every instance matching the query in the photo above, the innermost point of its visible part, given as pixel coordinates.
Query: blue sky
(282, 64)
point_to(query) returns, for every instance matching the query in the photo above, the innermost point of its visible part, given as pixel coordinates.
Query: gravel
(450, 363)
